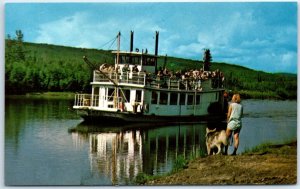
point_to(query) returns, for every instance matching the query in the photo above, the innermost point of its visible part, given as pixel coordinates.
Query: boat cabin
(128, 61)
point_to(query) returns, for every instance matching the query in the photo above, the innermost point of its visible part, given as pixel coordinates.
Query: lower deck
(145, 103)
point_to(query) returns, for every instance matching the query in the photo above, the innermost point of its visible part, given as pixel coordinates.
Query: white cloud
(83, 30)
(72, 31)
(241, 39)
(224, 33)
(238, 38)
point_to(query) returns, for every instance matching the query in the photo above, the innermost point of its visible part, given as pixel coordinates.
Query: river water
(46, 143)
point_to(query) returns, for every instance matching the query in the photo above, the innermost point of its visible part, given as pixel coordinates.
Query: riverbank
(273, 164)
(46, 95)
(263, 95)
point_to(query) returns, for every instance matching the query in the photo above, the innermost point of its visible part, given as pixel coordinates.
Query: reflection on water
(122, 154)
(39, 150)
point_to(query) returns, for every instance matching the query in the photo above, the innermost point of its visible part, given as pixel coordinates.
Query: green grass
(180, 163)
(260, 149)
(52, 95)
(269, 147)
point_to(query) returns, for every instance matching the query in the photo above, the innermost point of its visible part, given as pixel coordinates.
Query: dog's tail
(210, 131)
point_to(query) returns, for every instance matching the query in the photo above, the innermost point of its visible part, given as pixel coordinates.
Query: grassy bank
(46, 95)
(270, 148)
(183, 173)
(52, 95)
(247, 94)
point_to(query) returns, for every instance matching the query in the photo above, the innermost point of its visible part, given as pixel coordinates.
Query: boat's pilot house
(136, 62)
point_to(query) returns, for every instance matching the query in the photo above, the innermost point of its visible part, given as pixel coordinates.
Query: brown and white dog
(216, 139)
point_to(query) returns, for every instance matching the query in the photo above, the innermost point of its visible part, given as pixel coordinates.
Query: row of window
(175, 98)
(127, 59)
(162, 98)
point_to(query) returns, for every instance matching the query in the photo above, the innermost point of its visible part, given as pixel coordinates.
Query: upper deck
(143, 79)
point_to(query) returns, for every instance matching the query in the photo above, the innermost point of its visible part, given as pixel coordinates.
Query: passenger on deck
(125, 68)
(165, 72)
(135, 69)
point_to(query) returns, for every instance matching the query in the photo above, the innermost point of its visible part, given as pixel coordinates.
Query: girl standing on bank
(234, 120)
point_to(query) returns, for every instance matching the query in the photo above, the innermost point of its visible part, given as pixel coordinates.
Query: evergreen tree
(19, 50)
(207, 58)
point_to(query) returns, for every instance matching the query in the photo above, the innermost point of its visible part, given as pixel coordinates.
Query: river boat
(135, 90)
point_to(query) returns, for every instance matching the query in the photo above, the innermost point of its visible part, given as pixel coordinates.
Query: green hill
(31, 67)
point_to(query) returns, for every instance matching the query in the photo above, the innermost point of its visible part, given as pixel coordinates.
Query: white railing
(181, 84)
(86, 100)
(138, 78)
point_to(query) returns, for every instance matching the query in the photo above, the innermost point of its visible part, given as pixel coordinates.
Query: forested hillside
(33, 67)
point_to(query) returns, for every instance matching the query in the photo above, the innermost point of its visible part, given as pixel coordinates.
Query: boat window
(163, 98)
(136, 60)
(190, 100)
(217, 95)
(129, 59)
(127, 94)
(173, 98)
(182, 99)
(96, 91)
(197, 99)
(110, 94)
(148, 61)
(138, 96)
(154, 98)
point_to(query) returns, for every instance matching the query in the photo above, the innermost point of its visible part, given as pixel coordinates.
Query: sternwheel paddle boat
(135, 90)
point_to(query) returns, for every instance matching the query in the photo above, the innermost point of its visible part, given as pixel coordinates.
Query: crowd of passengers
(192, 78)
(189, 79)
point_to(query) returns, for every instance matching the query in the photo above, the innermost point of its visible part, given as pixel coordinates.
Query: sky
(257, 35)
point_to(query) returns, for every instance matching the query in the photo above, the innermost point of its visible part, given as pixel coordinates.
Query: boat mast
(156, 49)
(116, 96)
(118, 51)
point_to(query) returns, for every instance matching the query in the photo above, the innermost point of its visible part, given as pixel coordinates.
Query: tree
(20, 54)
(207, 58)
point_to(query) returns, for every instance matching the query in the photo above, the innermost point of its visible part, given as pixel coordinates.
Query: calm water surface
(42, 147)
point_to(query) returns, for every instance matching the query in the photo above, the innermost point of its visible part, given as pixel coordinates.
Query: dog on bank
(216, 140)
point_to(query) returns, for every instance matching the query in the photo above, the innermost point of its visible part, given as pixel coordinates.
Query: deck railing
(141, 78)
(185, 84)
(86, 100)
(138, 78)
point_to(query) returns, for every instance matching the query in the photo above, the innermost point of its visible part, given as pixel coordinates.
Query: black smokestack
(131, 41)
(156, 43)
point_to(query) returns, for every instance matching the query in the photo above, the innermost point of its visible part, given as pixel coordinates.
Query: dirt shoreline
(275, 165)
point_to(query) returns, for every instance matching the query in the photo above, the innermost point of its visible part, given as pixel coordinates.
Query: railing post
(186, 85)
(80, 100)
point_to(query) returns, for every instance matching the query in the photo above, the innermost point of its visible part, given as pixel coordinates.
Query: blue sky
(261, 36)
